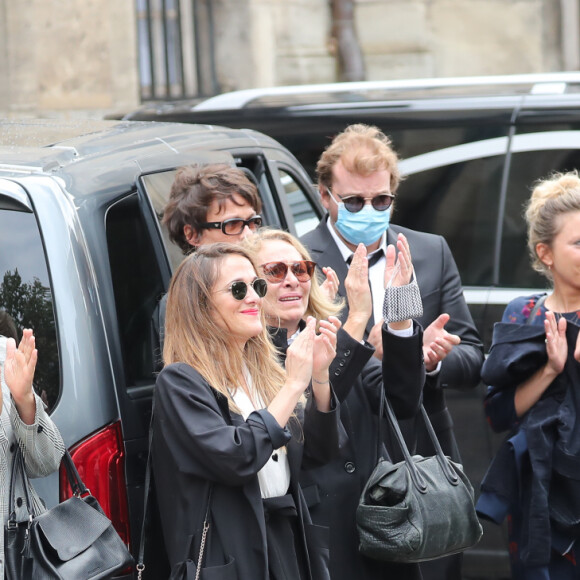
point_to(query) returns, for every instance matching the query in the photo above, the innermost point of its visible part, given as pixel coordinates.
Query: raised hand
(18, 373)
(556, 344)
(437, 342)
(324, 347)
(356, 283)
(330, 284)
(399, 268)
(300, 355)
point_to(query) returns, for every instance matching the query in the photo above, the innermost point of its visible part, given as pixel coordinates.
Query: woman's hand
(399, 268)
(530, 391)
(18, 373)
(556, 344)
(300, 355)
(330, 284)
(324, 347)
(324, 353)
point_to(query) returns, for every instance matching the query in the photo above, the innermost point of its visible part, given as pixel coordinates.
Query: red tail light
(100, 460)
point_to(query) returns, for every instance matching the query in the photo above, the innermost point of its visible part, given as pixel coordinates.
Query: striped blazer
(41, 444)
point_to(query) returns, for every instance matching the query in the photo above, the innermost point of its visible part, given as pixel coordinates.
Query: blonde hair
(193, 337)
(319, 305)
(551, 198)
(363, 149)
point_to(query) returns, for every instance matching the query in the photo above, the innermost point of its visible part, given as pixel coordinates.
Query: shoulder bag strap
(536, 307)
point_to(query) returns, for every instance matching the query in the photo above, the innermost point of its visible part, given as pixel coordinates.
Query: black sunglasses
(354, 203)
(234, 226)
(276, 271)
(239, 289)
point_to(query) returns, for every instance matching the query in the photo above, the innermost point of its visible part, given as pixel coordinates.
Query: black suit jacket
(441, 292)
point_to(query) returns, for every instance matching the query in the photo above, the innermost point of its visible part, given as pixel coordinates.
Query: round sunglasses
(354, 203)
(234, 226)
(277, 271)
(239, 289)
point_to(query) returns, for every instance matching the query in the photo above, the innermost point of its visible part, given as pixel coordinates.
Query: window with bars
(176, 49)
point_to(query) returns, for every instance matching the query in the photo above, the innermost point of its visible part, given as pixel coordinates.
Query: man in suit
(358, 179)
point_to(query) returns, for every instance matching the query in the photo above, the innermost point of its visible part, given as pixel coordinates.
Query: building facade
(99, 57)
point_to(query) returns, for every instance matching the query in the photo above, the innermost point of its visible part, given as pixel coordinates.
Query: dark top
(535, 473)
(197, 440)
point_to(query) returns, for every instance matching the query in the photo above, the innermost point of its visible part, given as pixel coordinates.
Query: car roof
(114, 153)
(373, 91)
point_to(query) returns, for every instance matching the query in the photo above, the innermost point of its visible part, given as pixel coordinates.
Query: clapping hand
(556, 343)
(399, 268)
(330, 284)
(437, 342)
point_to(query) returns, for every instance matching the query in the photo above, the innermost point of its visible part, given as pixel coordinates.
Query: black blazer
(197, 441)
(441, 291)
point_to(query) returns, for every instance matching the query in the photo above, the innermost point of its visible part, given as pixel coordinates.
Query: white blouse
(274, 477)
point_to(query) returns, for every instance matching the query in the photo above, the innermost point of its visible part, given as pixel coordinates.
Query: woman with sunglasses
(232, 428)
(333, 490)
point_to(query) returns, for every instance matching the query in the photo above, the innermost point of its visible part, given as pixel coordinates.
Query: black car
(471, 150)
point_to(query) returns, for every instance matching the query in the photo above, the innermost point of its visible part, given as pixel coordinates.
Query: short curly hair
(193, 191)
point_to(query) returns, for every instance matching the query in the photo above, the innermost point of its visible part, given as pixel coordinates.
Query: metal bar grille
(176, 49)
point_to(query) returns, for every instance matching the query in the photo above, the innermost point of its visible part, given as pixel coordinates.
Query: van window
(304, 213)
(26, 296)
(458, 201)
(138, 285)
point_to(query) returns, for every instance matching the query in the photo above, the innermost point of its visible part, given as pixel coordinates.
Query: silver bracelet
(320, 382)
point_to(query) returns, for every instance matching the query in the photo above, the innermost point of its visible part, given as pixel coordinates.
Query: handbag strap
(416, 477)
(536, 307)
(18, 471)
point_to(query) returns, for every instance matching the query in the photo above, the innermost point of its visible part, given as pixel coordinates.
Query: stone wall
(290, 41)
(71, 57)
(67, 58)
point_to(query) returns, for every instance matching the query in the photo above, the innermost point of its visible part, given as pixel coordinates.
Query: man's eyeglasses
(276, 271)
(239, 289)
(234, 226)
(354, 203)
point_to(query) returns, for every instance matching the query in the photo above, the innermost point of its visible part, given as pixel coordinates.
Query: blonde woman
(229, 418)
(534, 370)
(333, 490)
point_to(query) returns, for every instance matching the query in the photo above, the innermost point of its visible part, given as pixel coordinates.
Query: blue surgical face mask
(365, 226)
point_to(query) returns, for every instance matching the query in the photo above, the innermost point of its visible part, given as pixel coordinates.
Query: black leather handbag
(418, 509)
(71, 541)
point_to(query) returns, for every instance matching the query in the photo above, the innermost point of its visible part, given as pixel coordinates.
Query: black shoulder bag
(418, 509)
(72, 540)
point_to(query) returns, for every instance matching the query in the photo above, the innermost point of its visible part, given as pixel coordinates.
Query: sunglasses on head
(276, 271)
(355, 203)
(234, 226)
(239, 289)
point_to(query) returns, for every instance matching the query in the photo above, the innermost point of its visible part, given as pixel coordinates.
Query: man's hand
(437, 342)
